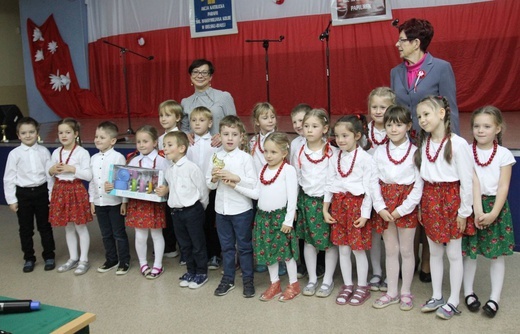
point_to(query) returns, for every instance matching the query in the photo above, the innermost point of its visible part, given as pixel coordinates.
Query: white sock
(392, 258)
(497, 271)
(311, 258)
(84, 241)
(406, 240)
(331, 260)
(158, 247)
(273, 272)
(454, 252)
(72, 241)
(436, 267)
(345, 263)
(292, 270)
(141, 238)
(361, 266)
(375, 254)
(470, 268)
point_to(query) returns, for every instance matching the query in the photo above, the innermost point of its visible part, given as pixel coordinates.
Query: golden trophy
(4, 138)
(218, 163)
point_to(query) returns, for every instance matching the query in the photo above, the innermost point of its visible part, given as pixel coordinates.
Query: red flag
(54, 73)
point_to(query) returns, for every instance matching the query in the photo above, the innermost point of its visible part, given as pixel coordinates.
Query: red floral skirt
(346, 209)
(394, 195)
(69, 203)
(439, 206)
(145, 214)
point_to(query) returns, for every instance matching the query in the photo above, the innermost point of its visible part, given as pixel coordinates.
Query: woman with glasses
(421, 74)
(219, 102)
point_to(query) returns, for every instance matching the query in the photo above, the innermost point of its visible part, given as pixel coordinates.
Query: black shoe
(50, 264)
(123, 269)
(425, 277)
(301, 271)
(474, 306)
(28, 266)
(249, 289)
(489, 310)
(107, 266)
(223, 288)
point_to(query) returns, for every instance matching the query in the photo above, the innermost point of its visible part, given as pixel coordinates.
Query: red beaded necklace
(430, 159)
(351, 165)
(70, 154)
(258, 144)
(268, 182)
(154, 160)
(374, 140)
(475, 155)
(397, 162)
(325, 155)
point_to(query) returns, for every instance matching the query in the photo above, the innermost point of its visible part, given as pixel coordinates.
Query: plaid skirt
(440, 203)
(495, 240)
(394, 195)
(145, 214)
(346, 209)
(311, 227)
(269, 243)
(69, 203)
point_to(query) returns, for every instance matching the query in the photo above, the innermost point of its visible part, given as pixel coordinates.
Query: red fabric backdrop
(479, 40)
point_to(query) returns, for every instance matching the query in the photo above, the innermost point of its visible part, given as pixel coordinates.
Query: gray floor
(132, 304)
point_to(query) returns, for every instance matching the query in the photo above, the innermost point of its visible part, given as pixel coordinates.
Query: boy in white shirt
(200, 153)
(110, 210)
(170, 114)
(234, 210)
(27, 187)
(188, 199)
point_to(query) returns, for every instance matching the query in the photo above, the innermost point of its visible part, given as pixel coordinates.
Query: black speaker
(10, 114)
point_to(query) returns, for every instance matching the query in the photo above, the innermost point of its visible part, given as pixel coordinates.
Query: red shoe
(292, 291)
(274, 290)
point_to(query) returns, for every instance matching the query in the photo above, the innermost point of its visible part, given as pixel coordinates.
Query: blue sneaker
(198, 281)
(186, 279)
(261, 268)
(282, 269)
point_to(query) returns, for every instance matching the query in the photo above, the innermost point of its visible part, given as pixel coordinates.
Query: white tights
(496, 271)
(141, 239)
(311, 258)
(454, 253)
(375, 253)
(72, 241)
(399, 240)
(345, 264)
(292, 271)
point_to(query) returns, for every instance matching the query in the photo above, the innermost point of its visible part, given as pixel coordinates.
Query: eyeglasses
(195, 73)
(402, 40)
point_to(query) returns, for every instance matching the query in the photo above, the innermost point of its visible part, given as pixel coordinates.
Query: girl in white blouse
(396, 189)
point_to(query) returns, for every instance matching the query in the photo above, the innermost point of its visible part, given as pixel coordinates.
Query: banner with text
(212, 18)
(360, 11)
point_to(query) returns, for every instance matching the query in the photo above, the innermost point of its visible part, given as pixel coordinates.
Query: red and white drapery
(480, 40)
(54, 73)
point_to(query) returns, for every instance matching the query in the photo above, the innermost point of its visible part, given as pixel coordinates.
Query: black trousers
(33, 202)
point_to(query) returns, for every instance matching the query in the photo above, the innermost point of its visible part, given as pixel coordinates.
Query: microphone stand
(265, 44)
(325, 37)
(123, 52)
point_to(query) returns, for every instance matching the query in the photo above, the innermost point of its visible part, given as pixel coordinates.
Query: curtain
(480, 40)
(54, 73)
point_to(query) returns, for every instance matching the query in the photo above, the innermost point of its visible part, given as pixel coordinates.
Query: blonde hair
(149, 130)
(280, 139)
(302, 107)
(382, 92)
(320, 114)
(260, 109)
(171, 107)
(202, 111)
(180, 138)
(497, 116)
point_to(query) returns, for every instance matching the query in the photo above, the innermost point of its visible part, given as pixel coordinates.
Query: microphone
(282, 38)
(395, 23)
(150, 58)
(325, 34)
